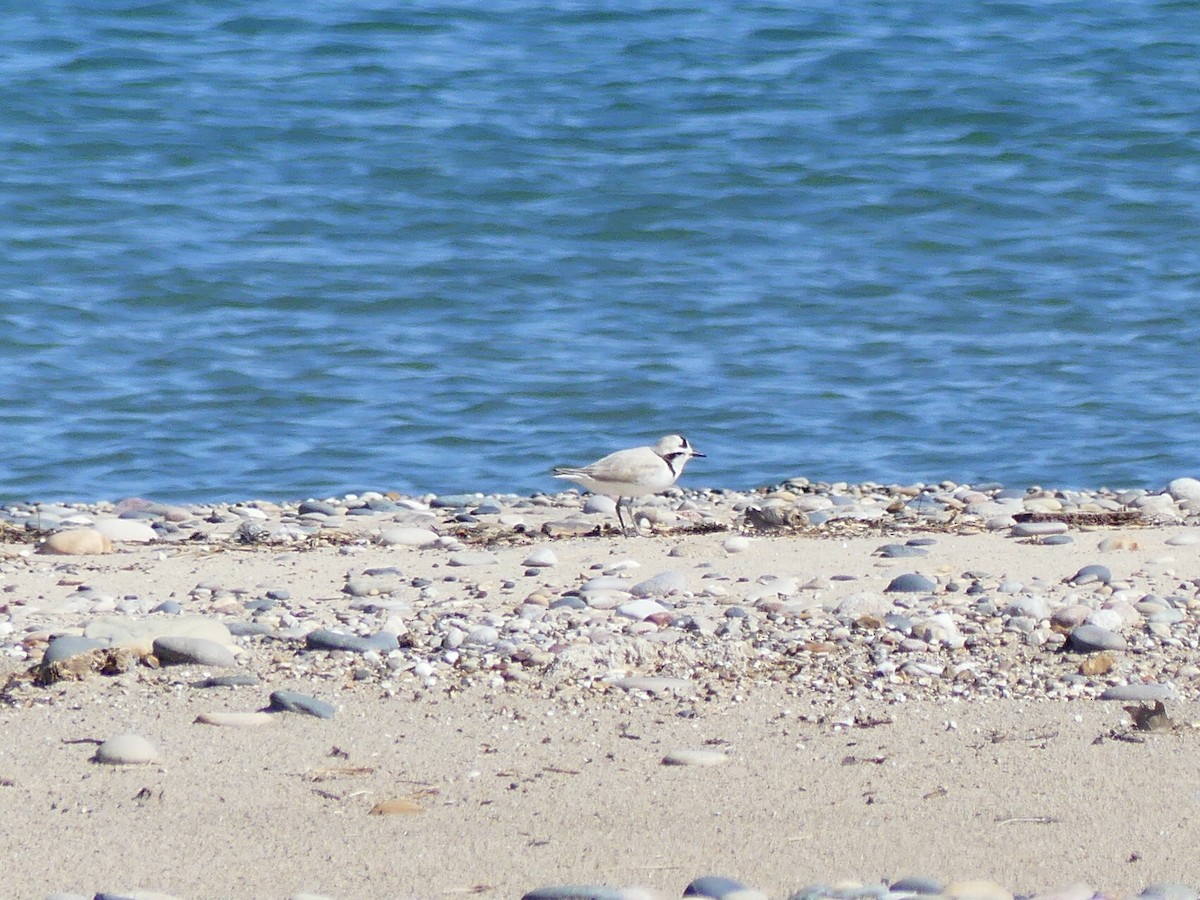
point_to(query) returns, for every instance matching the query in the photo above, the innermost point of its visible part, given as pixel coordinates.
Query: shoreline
(861, 683)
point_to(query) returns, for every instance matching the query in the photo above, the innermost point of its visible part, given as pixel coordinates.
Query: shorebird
(631, 473)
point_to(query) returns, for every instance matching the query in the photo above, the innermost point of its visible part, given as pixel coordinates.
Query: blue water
(267, 249)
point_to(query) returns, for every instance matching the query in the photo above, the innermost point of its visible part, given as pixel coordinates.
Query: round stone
(76, 542)
(1184, 489)
(910, 583)
(1092, 638)
(1091, 575)
(640, 610)
(67, 645)
(736, 544)
(128, 530)
(597, 503)
(542, 557)
(660, 585)
(126, 750)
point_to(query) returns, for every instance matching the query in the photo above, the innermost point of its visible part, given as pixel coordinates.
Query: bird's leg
(633, 531)
(620, 521)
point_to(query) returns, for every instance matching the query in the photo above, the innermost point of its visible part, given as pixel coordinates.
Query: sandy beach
(809, 685)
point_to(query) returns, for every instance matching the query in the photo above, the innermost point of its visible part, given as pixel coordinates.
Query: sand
(508, 785)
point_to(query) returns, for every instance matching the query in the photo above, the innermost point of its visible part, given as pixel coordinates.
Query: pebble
(473, 558)
(599, 504)
(1091, 575)
(655, 684)
(574, 892)
(736, 544)
(67, 645)
(661, 585)
(76, 542)
(1135, 693)
(291, 701)
(235, 719)
(1038, 529)
(1092, 638)
(910, 583)
(456, 501)
(976, 890)
(640, 610)
(1169, 891)
(898, 551)
(408, 537)
(240, 680)
(129, 531)
(542, 557)
(141, 633)
(1185, 489)
(695, 758)
(1184, 539)
(126, 750)
(716, 887)
(917, 884)
(327, 639)
(173, 650)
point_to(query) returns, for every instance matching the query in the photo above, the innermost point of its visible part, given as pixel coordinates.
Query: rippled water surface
(269, 249)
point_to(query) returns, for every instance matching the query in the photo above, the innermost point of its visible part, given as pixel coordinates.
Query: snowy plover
(633, 472)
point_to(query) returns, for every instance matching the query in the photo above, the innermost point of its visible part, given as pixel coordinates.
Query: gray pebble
(1055, 540)
(660, 585)
(715, 886)
(319, 507)
(917, 884)
(574, 892)
(910, 583)
(1038, 529)
(455, 501)
(1091, 638)
(249, 629)
(327, 639)
(183, 651)
(67, 645)
(170, 607)
(291, 701)
(1091, 575)
(899, 551)
(1140, 692)
(1168, 891)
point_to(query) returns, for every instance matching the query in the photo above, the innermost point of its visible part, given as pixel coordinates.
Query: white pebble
(126, 750)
